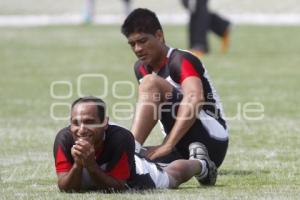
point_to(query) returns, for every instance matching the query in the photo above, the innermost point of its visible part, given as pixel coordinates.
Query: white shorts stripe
(159, 177)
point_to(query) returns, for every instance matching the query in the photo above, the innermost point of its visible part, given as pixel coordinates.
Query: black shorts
(206, 129)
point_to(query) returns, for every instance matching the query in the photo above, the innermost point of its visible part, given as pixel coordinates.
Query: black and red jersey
(115, 158)
(178, 66)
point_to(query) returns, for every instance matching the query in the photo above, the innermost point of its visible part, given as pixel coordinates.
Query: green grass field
(262, 66)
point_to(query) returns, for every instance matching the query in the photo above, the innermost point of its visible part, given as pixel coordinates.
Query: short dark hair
(101, 106)
(141, 20)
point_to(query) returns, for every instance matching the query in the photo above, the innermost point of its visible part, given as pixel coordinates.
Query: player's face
(147, 47)
(85, 123)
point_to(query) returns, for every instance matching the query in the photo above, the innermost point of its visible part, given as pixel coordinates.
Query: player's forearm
(186, 116)
(104, 181)
(71, 181)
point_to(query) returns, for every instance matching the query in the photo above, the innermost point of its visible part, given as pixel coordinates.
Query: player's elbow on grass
(67, 183)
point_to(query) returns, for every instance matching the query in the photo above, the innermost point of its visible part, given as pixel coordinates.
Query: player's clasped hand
(83, 153)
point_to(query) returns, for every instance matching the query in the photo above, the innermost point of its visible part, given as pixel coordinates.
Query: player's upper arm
(62, 151)
(192, 87)
(188, 71)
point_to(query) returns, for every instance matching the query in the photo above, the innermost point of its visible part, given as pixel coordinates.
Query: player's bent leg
(152, 92)
(153, 84)
(180, 171)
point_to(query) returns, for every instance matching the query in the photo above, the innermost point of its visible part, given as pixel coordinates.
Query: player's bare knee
(155, 84)
(149, 84)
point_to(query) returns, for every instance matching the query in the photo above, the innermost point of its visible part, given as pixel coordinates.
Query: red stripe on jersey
(121, 171)
(163, 64)
(62, 164)
(187, 70)
(143, 70)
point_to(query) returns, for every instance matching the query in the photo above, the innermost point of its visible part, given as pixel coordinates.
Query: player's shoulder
(118, 140)
(182, 59)
(63, 140)
(118, 134)
(64, 135)
(180, 54)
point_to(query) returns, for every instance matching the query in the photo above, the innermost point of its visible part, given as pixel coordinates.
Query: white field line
(71, 19)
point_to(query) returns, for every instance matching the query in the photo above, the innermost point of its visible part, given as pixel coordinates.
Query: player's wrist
(78, 165)
(92, 166)
(168, 143)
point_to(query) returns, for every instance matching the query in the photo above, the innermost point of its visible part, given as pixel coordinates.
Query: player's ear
(105, 122)
(159, 34)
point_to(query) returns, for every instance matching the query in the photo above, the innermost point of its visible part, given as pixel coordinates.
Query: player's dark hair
(101, 106)
(141, 20)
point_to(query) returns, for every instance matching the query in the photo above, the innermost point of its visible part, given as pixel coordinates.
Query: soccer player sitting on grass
(92, 154)
(174, 89)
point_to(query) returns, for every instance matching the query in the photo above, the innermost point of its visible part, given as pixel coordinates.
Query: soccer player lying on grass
(92, 154)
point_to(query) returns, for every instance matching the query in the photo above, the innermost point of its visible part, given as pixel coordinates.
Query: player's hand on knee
(158, 151)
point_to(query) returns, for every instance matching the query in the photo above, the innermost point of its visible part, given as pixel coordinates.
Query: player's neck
(156, 66)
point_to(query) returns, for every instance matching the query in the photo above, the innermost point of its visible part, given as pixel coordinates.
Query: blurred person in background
(90, 6)
(201, 22)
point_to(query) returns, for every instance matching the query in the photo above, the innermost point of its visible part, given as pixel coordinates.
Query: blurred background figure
(89, 11)
(90, 5)
(201, 22)
(127, 6)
